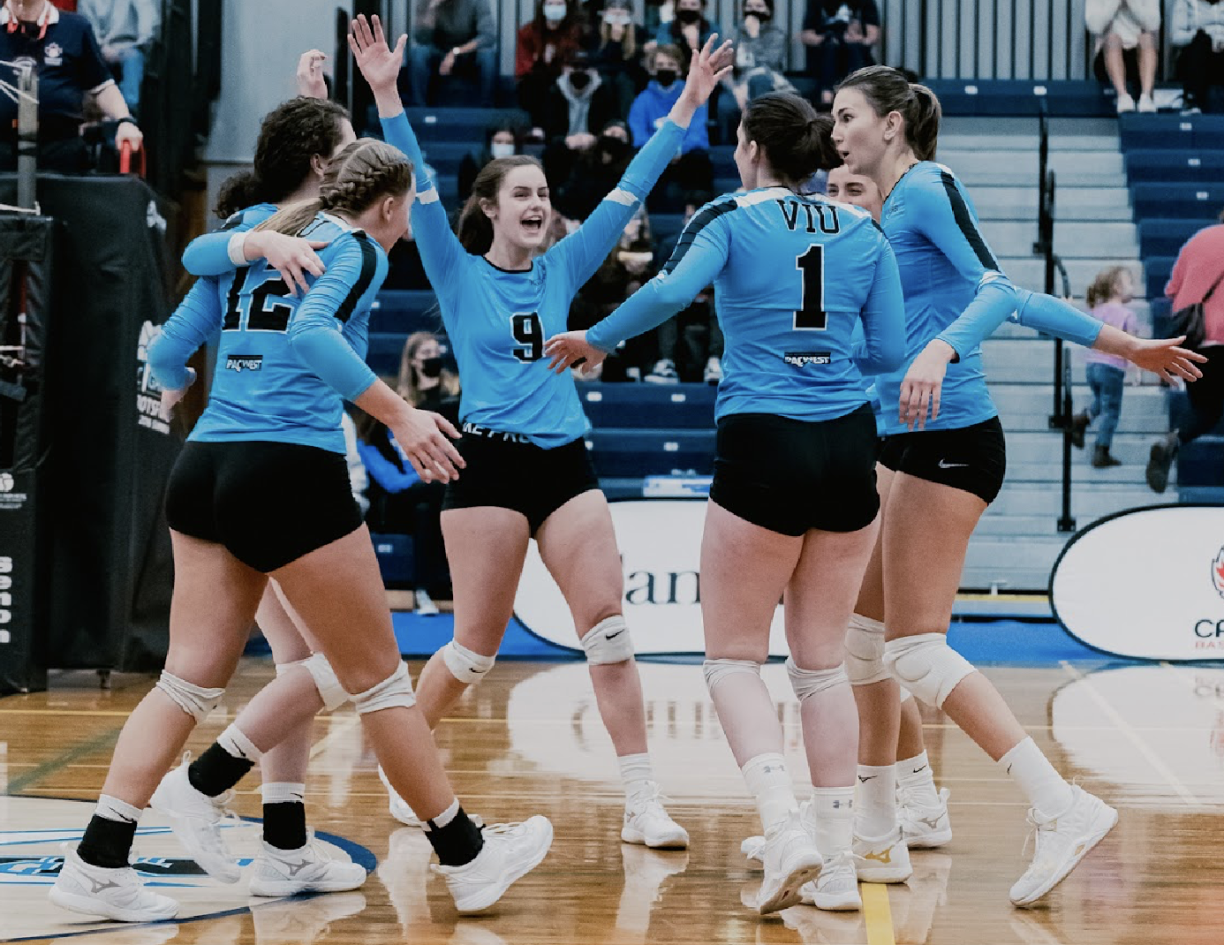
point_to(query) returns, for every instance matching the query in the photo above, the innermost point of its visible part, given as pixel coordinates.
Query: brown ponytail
(359, 176)
(796, 140)
(475, 227)
(888, 90)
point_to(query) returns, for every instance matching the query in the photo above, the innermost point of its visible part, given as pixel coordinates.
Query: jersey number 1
(811, 315)
(528, 332)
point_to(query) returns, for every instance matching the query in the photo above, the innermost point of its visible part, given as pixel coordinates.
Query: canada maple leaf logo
(1217, 573)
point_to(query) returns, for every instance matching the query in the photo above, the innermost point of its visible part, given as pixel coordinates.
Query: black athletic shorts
(508, 471)
(794, 475)
(267, 503)
(973, 459)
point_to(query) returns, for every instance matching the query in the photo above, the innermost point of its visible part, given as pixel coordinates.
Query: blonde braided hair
(358, 177)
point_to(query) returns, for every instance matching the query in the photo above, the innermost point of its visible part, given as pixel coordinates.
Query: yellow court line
(877, 914)
(1132, 736)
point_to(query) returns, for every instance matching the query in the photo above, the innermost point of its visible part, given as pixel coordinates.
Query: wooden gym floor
(1148, 738)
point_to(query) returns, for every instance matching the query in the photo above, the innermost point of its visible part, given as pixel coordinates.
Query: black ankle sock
(457, 843)
(284, 825)
(216, 771)
(107, 842)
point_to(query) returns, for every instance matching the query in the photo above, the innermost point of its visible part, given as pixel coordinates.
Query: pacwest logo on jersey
(244, 362)
(804, 358)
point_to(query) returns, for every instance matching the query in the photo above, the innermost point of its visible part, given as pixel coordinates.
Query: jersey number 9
(528, 332)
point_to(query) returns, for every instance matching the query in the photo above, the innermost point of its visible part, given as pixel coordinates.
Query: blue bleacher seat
(1166, 166)
(1159, 237)
(1194, 201)
(637, 453)
(405, 311)
(1201, 462)
(1172, 132)
(395, 557)
(1017, 97)
(1157, 270)
(672, 406)
(459, 125)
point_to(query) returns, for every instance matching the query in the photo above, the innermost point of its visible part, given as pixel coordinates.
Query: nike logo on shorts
(944, 464)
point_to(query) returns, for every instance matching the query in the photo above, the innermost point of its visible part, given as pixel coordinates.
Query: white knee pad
(865, 651)
(466, 666)
(717, 670)
(196, 701)
(393, 692)
(926, 666)
(330, 690)
(809, 682)
(608, 642)
(906, 695)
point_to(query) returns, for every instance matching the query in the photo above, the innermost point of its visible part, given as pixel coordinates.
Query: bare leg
(287, 760)
(1147, 62)
(910, 742)
(1115, 67)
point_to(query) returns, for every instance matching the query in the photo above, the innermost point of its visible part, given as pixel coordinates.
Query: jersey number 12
(811, 315)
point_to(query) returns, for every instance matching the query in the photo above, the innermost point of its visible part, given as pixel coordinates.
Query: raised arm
(700, 256)
(440, 248)
(582, 252)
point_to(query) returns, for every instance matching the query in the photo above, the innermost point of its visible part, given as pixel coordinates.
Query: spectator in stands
(617, 52)
(688, 30)
(453, 37)
(125, 29)
(691, 171)
(760, 60)
(544, 46)
(1108, 297)
(691, 343)
(70, 68)
(581, 177)
(400, 502)
(839, 35)
(1198, 27)
(1121, 25)
(503, 138)
(1197, 275)
(405, 270)
(625, 270)
(579, 103)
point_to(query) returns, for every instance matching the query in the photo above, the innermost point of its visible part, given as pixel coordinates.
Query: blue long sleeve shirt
(649, 112)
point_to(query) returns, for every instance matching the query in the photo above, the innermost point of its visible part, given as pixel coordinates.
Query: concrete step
(1072, 240)
(1000, 202)
(1071, 169)
(1029, 271)
(1089, 501)
(1066, 134)
(1031, 451)
(1010, 329)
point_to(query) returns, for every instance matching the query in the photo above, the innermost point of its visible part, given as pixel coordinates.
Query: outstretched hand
(310, 82)
(377, 61)
(1166, 358)
(568, 348)
(708, 68)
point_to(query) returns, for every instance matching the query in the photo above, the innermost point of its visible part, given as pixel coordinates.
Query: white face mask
(554, 12)
(617, 18)
(500, 149)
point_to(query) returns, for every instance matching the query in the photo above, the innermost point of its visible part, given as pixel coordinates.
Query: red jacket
(532, 47)
(1199, 264)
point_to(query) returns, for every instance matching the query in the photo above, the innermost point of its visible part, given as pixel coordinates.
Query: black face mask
(580, 80)
(763, 15)
(665, 77)
(688, 16)
(613, 147)
(431, 367)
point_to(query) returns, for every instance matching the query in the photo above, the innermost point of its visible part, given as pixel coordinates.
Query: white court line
(1133, 737)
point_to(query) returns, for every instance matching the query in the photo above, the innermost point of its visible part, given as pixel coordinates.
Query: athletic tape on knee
(926, 666)
(865, 651)
(196, 701)
(809, 682)
(717, 670)
(330, 690)
(608, 642)
(466, 666)
(393, 692)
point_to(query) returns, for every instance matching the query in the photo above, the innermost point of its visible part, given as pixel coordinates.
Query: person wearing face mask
(579, 103)
(839, 36)
(503, 138)
(618, 51)
(760, 59)
(400, 502)
(691, 169)
(581, 178)
(689, 28)
(544, 45)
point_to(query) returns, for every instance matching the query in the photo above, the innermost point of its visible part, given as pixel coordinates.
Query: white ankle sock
(637, 775)
(238, 745)
(769, 784)
(1045, 788)
(111, 808)
(877, 801)
(283, 792)
(916, 775)
(831, 813)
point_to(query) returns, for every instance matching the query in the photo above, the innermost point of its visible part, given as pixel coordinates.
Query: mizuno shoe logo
(884, 857)
(944, 464)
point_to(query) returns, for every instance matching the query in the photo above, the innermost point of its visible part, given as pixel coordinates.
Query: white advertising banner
(660, 545)
(1146, 584)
